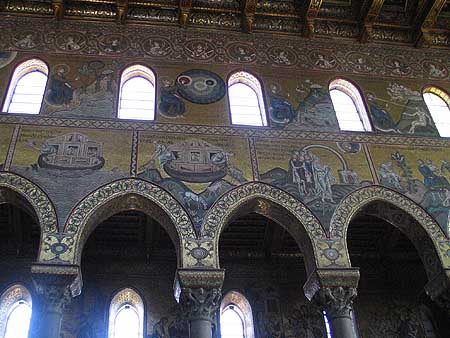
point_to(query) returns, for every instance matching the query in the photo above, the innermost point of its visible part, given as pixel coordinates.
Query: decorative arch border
(356, 200)
(38, 199)
(220, 213)
(79, 217)
(216, 218)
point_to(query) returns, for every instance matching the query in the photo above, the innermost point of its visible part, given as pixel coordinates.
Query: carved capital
(337, 301)
(199, 292)
(200, 303)
(55, 285)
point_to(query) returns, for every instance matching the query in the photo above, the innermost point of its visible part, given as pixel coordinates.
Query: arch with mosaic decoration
(128, 194)
(419, 227)
(22, 192)
(272, 203)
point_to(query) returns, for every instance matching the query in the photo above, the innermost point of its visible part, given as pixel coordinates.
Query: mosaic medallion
(200, 86)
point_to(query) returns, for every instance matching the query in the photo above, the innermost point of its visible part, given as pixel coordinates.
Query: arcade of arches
(143, 197)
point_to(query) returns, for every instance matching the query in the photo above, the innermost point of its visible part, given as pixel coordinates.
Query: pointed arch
(14, 296)
(126, 194)
(27, 87)
(272, 203)
(420, 228)
(19, 190)
(126, 300)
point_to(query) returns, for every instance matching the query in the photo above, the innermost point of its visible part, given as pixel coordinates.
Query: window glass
(126, 315)
(127, 323)
(231, 323)
(18, 321)
(349, 106)
(137, 94)
(246, 100)
(438, 104)
(27, 87)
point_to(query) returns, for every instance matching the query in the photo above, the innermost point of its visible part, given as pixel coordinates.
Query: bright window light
(349, 106)
(137, 94)
(327, 324)
(231, 323)
(18, 320)
(438, 104)
(126, 323)
(126, 315)
(246, 100)
(27, 87)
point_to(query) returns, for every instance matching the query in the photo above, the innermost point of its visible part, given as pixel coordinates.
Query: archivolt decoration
(78, 217)
(41, 204)
(221, 212)
(356, 200)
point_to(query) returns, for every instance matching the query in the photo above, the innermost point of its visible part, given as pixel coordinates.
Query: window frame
(11, 296)
(20, 70)
(444, 96)
(120, 299)
(137, 70)
(260, 95)
(354, 92)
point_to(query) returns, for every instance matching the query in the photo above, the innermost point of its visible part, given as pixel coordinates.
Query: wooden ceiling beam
(426, 19)
(248, 15)
(58, 9)
(184, 11)
(121, 10)
(311, 11)
(370, 10)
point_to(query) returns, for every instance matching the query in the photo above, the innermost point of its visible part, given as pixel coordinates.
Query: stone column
(199, 294)
(333, 291)
(55, 286)
(438, 289)
(337, 303)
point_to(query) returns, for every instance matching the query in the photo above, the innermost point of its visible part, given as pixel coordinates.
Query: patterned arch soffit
(36, 197)
(356, 200)
(81, 214)
(229, 203)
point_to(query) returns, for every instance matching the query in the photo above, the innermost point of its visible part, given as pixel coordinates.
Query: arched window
(27, 87)
(126, 315)
(236, 319)
(246, 100)
(349, 106)
(438, 103)
(137, 94)
(15, 312)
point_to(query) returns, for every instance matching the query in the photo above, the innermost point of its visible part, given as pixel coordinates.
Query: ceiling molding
(58, 9)
(428, 17)
(121, 10)
(312, 9)
(248, 14)
(184, 11)
(370, 10)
